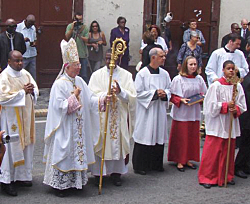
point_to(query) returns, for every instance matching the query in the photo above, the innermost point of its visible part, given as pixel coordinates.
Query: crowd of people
(87, 127)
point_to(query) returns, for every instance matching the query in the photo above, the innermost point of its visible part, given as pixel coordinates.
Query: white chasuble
(151, 115)
(68, 137)
(121, 111)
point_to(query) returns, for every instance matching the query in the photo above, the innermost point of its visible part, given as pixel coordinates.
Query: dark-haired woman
(184, 143)
(121, 32)
(156, 32)
(95, 45)
(148, 38)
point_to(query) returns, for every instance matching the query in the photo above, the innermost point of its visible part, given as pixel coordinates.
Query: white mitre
(69, 53)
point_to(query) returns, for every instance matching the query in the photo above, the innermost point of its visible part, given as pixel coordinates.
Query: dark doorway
(52, 17)
(207, 14)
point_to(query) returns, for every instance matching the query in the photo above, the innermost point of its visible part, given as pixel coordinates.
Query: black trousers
(147, 157)
(243, 157)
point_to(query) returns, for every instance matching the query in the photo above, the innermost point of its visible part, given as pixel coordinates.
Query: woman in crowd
(192, 23)
(184, 142)
(156, 32)
(95, 45)
(190, 48)
(121, 32)
(148, 38)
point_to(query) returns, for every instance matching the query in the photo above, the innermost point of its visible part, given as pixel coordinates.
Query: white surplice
(214, 66)
(217, 124)
(17, 117)
(185, 87)
(123, 110)
(68, 137)
(151, 115)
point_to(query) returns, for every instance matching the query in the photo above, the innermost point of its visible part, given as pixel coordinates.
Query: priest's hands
(185, 100)
(29, 88)
(161, 93)
(77, 92)
(115, 88)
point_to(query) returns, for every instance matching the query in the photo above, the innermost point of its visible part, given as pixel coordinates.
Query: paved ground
(169, 187)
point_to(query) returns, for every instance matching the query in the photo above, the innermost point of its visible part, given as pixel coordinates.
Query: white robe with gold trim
(17, 117)
(68, 137)
(120, 112)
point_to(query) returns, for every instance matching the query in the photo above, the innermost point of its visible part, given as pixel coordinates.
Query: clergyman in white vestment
(18, 93)
(120, 123)
(70, 126)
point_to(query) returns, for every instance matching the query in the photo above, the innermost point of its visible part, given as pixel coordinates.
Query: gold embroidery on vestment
(14, 128)
(113, 118)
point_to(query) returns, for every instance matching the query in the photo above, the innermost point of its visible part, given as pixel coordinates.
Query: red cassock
(184, 142)
(213, 162)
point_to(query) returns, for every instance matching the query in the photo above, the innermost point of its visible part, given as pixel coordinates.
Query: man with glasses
(193, 27)
(10, 40)
(70, 126)
(235, 28)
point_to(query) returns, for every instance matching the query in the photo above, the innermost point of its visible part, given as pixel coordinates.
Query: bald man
(28, 29)
(10, 40)
(151, 130)
(244, 29)
(18, 94)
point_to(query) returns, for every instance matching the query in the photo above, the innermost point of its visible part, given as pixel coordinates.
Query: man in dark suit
(244, 32)
(10, 40)
(235, 28)
(243, 157)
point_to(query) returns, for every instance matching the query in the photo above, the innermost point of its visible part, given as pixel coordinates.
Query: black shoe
(140, 172)
(246, 171)
(116, 179)
(206, 185)
(9, 189)
(60, 193)
(24, 183)
(240, 174)
(180, 169)
(192, 166)
(231, 182)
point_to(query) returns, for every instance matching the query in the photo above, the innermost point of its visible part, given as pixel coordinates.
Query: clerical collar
(223, 81)
(227, 50)
(12, 72)
(152, 70)
(114, 70)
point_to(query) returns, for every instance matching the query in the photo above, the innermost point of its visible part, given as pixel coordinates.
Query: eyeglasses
(122, 22)
(12, 26)
(94, 26)
(76, 65)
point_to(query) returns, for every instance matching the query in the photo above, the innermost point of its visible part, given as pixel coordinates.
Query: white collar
(114, 70)
(12, 72)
